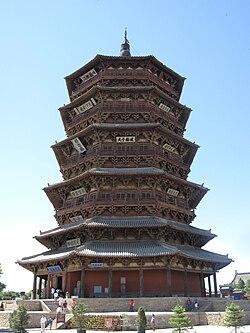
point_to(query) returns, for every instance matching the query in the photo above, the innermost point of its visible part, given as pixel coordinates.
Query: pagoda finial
(125, 35)
(125, 48)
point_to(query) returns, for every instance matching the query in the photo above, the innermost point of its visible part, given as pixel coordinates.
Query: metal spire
(125, 48)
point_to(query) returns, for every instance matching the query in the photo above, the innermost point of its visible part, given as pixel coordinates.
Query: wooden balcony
(116, 74)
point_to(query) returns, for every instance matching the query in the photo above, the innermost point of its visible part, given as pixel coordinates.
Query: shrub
(141, 320)
(179, 320)
(79, 318)
(233, 316)
(20, 319)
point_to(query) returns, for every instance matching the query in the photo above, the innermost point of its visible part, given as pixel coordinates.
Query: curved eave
(125, 249)
(187, 159)
(124, 171)
(46, 238)
(150, 88)
(200, 254)
(108, 126)
(199, 190)
(93, 90)
(99, 58)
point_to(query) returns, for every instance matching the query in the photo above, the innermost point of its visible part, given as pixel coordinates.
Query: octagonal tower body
(125, 204)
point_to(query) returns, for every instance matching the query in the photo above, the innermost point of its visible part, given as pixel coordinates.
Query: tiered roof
(123, 75)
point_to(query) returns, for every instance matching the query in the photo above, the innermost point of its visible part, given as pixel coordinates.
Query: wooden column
(34, 285)
(202, 284)
(48, 286)
(185, 283)
(169, 284)
(209, 286)
(141, 282)
(110, 282)
(82, 283)
(40, 287)
(64, 281)
(215, 285)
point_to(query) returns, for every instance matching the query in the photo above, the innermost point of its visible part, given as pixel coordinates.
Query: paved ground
(196, 329)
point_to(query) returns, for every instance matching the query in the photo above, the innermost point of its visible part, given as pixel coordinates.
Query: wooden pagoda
(124, 208)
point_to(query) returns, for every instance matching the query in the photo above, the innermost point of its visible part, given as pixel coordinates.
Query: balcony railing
(100, 200)
(109, 74)
(114, 150)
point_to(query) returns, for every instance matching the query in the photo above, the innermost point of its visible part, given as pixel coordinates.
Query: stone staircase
(52, 306)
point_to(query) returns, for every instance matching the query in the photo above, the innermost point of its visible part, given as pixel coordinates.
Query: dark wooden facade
(125, 206)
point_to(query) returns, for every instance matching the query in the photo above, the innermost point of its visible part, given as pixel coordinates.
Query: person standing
(152, 322)
(60, 302)
(74, 303)
(189, 304)
(50, 321)
(131, 305)
(59, 309)
(196, 304)
(65, 306)
(55, 296)
(43, 322)
(52, 292)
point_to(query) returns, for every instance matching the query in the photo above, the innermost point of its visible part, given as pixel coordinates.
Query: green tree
(9, 294)
(179, 320)
(2, 285)
(240, 285)
(233, 317)
(79, 319)
(141, 320)
(20, 319)
(247, 287)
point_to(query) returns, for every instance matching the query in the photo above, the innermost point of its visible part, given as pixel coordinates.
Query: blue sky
(42, 41)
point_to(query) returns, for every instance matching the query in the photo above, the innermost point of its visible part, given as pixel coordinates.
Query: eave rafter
(148, 66)
(174, 261)
(110, 99)
(155, 136)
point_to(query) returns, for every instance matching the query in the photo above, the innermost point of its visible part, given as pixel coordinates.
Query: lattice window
(143, 148)
(80, 200)
(130, 196)
(171, 200)
(120, 196)
(146, 195)
(105, 196)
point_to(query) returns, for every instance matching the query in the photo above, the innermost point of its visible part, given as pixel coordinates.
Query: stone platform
(211, 310)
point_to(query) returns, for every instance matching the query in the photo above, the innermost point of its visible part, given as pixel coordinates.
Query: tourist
(152, 322)
(50, 321)
(43, 322)
(131, 305)
(65, 306)
(59, 291)
(189, 304)
(52, 292)
(74, 303)
(59, 309)
(196, 304)
(60, 302)
(55, 296)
